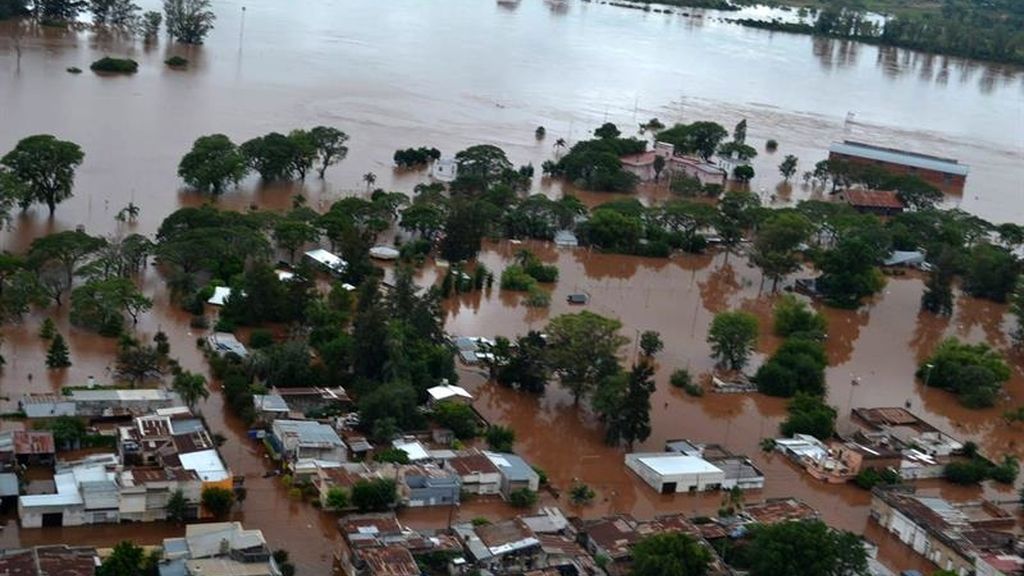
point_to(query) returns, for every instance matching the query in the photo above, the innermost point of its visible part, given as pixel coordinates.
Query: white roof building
(206, 464)
(328, 260)
(447, 392)
(220, 296)
(669, 472)
(414, 448)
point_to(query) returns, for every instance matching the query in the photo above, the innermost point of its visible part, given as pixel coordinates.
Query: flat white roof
(414, 448)
(133, 395)
(332, 261)
(220, 295)
(206, 464)
(669, 464)
(448, 391)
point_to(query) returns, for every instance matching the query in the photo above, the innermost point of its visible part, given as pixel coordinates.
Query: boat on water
(384, 253)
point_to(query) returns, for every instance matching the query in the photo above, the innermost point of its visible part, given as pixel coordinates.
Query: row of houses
(975, 537)
(156, 455)
(546, 543)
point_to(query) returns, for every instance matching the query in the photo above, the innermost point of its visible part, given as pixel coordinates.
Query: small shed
(332, 262)
(220, 296)
(449, 392)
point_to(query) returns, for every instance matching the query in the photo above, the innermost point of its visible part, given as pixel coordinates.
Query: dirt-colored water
(415, 74)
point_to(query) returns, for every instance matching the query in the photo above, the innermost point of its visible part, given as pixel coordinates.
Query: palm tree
(191, 387)
(560, 144)
(370, 178)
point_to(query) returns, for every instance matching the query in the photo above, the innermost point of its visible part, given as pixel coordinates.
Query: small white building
(670, 473)
(449, 392)
(444, 170)
(221, 294)
(225, 342)
(332, 262)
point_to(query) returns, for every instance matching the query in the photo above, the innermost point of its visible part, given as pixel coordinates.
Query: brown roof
(32, 442)
(616, 535)
(389, 561)
(676, 523)
(473, 463)
(193, 442)
(56, 560)
(780, 510)
(506, 532)
(149, 475)
(873, 199)
(377, 524)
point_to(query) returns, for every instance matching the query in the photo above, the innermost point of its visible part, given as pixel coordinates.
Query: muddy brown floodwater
(413, 73)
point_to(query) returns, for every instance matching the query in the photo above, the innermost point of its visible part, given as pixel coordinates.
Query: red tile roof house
(879, 202)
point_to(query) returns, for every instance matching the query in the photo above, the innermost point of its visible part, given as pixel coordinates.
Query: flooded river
(453, 74)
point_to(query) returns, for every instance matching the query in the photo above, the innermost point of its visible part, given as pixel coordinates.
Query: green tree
(213, 162)
(191, 387)
(743, 173)
(273, 156)
(427, 218)
(809, 414)
(57, 355)
(137, 363)
(607, 131)
(122, 14)
(291, 234)
(337, 499)
(701, 138)
(776, 245)
(48, 329)
(67, 250)
(464, 230)
(481, 164)
(218, 501)
(525, 366)
(797, 366)
(189, 21)
(807, 548)
(624, 403)
(457, 417)
(793, 317)
(126, 559)
(374, 495)
(523, 498)
(670, 554)
(788, 166)
(974, 372)
(583, 350)
(177, 507)
(732, 337)
(848, 272)
(651, 343)
(991, 272)
(151, 21)
(46, 166)
(500, 438)
(580, 494)
(99, 304)
(68, 432)
(659, 166)
(330, 146)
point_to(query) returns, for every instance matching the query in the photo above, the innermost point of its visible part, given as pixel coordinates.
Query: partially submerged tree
(213, 162)
(732, 337)
(189, 21)
(46, 166)
(583, 350)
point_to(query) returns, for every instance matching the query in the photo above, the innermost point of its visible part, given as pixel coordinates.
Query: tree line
(187, 21)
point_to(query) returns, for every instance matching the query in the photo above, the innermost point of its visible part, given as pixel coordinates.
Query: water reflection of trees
(832, 53)
(928, 332)
(974, 313)
(720, 285)
(843, 331)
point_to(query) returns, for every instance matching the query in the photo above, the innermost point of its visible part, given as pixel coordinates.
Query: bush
(967, 473)
(771, 145)
(218, 501)
(500, 438)
(974, 372)
(681, 379)
(809, 415)
(115, 65)
(868, 478)
(515, 278)
(545, 273)
(374, 495)
(459, 418)
(798, 366)
(261, 338)
(523, 498)
(393, 455)
(74, 70)
(537, 298)
(176, 62)
(793, 317)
